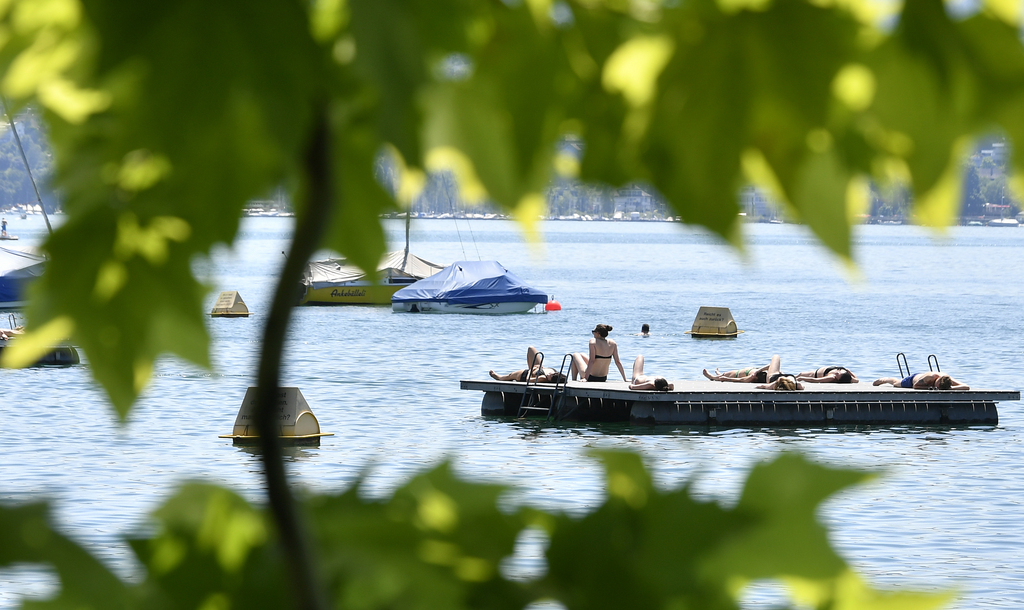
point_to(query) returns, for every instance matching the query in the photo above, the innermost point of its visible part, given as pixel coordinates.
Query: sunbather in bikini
(538, 373)
(751, 374)
(594, 366)
(647, 382)
(932, 380)
(829, 374)
(777, 380)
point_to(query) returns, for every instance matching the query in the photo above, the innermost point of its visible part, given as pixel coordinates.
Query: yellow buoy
(295, 420)
(714, 322)
(230, 305)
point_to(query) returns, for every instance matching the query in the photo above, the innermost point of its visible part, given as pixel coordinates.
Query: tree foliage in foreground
(166, 117)
(439, 542)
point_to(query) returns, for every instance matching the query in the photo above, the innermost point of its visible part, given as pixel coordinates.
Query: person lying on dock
(931, 380)
(6, 335)
(535, 369)
(751, 374)
(777, 380)
(647, 382)
(829, 374)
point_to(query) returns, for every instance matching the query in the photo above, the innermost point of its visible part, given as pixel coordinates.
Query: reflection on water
(294, 453)
(945, 513)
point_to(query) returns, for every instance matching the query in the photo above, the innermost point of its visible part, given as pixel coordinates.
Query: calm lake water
(947, 513)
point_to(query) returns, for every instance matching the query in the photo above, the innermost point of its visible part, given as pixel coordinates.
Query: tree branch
(309, 229)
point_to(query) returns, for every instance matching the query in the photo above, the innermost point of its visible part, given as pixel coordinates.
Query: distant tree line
(15, 186)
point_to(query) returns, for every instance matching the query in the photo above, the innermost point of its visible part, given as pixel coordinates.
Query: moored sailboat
(334, 281)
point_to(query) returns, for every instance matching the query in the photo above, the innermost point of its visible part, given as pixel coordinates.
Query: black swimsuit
(595, 377)
(777, 375)
(828, 369)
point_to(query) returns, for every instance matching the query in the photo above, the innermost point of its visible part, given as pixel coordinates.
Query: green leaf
(359, 199)
(849, 592)
(190, 145)
(782, 498)
(397, 44)
(156, 309)
(211, 547)
(26, 536)
(641, 548)
(822, 177)
(506, 116)
(437, 543)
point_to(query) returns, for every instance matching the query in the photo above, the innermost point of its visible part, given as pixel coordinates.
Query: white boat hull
(480, 308)
(1003, 222)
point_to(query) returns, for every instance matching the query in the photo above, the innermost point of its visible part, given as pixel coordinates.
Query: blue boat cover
(17, 267)
(471, 283)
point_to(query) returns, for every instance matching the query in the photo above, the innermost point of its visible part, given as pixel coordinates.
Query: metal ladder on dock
(901, 363)
(533, 390)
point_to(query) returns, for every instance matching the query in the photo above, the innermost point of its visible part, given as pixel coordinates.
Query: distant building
(756, 203)
(999, 153)
(995, 209)
(995, 155)
(633, 198)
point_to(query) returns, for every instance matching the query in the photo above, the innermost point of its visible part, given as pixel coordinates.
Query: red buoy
(553, 305)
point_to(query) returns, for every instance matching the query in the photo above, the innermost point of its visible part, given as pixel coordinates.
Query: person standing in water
(603, 350)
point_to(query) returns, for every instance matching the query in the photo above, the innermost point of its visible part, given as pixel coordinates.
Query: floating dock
(715, 403)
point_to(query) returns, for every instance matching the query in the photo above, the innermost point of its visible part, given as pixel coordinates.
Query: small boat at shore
(1003, 222)
(334, 281)
(473, 287)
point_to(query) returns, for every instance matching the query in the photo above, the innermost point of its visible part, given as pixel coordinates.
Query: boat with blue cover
(18, 267)
(474, 287)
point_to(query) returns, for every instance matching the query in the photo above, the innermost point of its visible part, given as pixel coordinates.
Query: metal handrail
(560, 383)
(901, 364)
(526, 404)
(936, 359)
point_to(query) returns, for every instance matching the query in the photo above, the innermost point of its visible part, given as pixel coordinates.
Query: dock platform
(711, 403)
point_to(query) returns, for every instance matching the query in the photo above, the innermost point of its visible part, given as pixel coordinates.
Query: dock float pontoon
(710, 403)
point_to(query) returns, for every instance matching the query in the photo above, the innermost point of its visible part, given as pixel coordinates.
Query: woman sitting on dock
(537, 372)
(751, 374)
(595, 367)
(777, 380)
(931, 380)
(647, 382)
(829, 374)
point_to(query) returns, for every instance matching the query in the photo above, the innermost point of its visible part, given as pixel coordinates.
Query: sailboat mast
(408, 221)
(24, 159)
